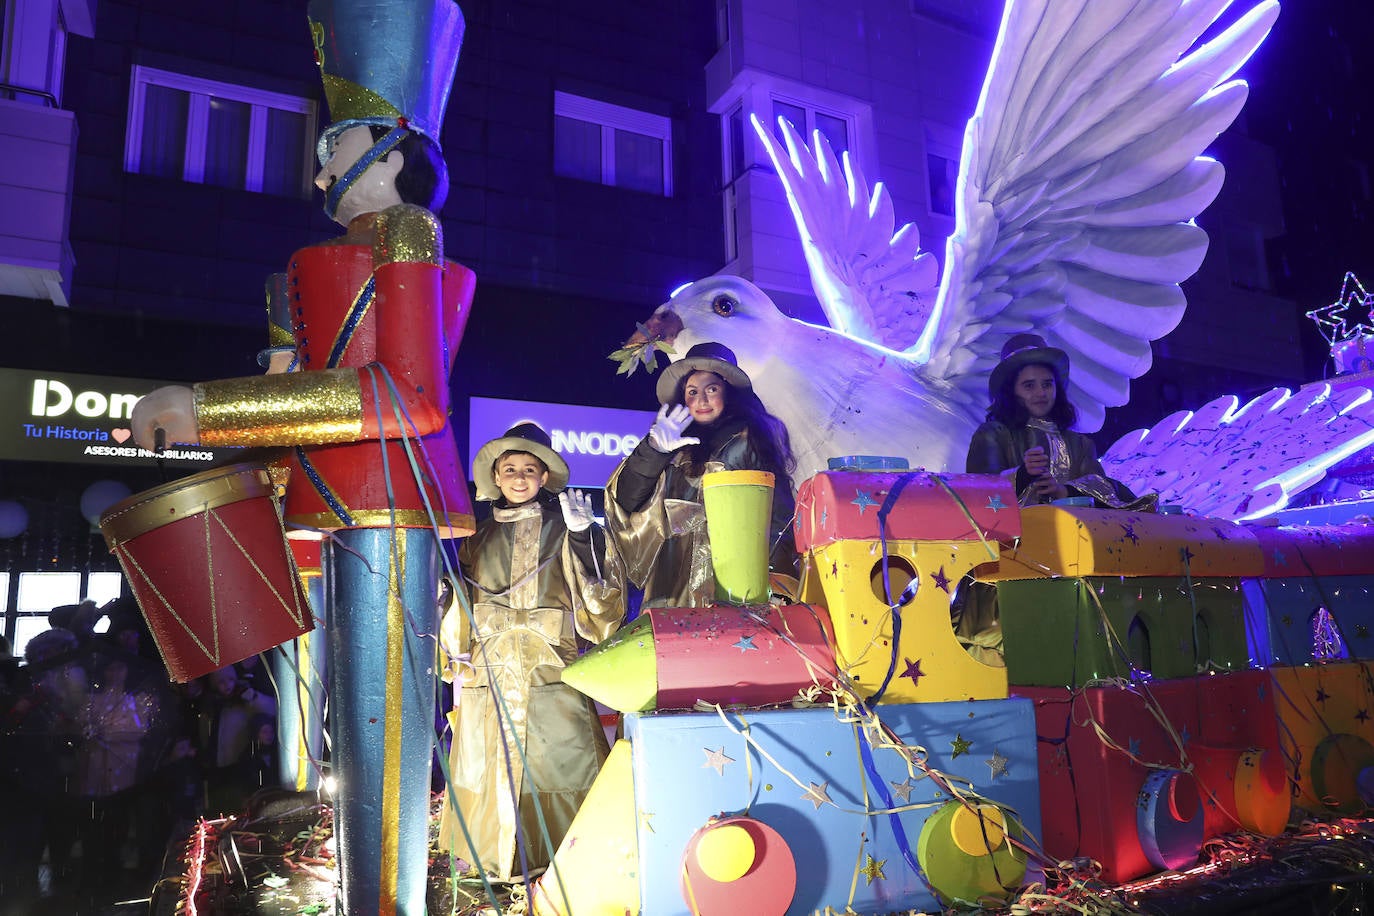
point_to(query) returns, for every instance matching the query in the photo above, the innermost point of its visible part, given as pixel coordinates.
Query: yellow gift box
(1081, 541)
(929, 663)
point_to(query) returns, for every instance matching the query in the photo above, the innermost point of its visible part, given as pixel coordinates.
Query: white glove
(666, 433)
(577, 509)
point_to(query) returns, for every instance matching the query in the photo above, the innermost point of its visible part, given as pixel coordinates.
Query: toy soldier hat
(385, 62)
(1024, 350)
(522, 437)
(704, 357)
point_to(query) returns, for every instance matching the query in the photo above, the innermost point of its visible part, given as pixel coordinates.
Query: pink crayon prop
(672, 658)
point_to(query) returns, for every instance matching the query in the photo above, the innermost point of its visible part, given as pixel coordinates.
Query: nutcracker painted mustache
(377, 316)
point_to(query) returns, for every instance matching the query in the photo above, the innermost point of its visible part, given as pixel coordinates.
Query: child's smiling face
(519, 475)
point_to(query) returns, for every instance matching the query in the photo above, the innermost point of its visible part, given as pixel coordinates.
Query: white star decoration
(716, 760)
(1336, 322)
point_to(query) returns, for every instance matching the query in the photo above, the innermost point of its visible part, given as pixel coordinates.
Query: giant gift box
(938, 527)
(1069, 632)
(1327, 715)
(1327, 567)
(1113, 777)
(1085, 541)
(844, 505)
(802, 774)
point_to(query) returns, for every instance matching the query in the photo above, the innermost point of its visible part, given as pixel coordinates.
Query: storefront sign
(593, 440)
(84, 419)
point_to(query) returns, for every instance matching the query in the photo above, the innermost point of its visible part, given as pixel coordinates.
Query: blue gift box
(805, 773)
(1282, 624)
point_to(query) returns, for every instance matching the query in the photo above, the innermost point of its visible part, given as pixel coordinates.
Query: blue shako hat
(385, 62)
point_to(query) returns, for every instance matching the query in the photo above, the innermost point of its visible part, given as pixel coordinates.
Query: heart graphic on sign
(120, 435)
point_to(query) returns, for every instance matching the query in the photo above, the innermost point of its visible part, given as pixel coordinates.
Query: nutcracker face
(372, 191)
(519, 475)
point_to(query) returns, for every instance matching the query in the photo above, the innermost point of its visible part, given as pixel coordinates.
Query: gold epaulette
(408, 234)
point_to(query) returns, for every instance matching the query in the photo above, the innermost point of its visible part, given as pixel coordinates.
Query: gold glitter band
(454, 525)
(300, 407)
(348, 101)
(391, 728)
(407, 234)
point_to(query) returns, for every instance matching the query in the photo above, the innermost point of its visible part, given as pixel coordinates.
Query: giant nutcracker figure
(377, 317)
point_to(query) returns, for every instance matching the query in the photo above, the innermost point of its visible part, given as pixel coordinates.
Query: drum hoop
(180, 499)
(292, 608)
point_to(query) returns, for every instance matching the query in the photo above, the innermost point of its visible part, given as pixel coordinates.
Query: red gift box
(844, 505)
(1090, 791)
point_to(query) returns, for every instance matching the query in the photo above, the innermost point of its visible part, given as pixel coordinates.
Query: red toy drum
(207, 559)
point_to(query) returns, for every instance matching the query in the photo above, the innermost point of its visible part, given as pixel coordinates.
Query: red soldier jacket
(377, 329)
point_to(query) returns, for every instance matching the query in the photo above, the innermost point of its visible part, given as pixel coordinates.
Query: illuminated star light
(961, 745)
(863, 501)
(716, 760)
(913, 671)
(1334, 320)
(818, 794)
(745, 644)
(997, 763)
(873, 868)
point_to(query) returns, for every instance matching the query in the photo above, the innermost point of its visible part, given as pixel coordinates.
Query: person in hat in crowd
(377, 317)
(541, 585)
(709, 419)
(1029, 432)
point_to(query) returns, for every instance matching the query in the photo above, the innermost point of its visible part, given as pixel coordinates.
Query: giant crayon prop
(671, 658)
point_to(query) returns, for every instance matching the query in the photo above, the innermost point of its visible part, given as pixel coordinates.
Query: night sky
(1311, 99)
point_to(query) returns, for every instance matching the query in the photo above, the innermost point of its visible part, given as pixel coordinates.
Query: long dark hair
(767, 434)
(1007, 410)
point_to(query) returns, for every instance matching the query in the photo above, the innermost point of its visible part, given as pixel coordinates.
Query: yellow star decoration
(873, 868)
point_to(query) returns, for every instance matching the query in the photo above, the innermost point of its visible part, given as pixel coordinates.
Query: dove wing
(1239, 462)
(873, 283)
(1080, 175)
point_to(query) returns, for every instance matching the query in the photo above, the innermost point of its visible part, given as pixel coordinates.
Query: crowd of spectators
(105, 763)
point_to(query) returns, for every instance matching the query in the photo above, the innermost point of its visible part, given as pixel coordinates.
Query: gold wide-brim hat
(704, 357)
(523, 437)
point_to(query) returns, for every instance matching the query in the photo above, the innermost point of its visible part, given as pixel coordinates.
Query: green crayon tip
(621, 672)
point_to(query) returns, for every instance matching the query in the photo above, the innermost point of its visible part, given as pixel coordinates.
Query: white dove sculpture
(1244, 462)
(1080, 175)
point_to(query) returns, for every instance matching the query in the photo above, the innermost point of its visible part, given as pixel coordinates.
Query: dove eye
(724, 306)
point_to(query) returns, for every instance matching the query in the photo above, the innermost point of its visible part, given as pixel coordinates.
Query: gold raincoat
(532, 597)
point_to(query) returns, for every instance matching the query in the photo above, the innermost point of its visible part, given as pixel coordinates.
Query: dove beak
(663, 325)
